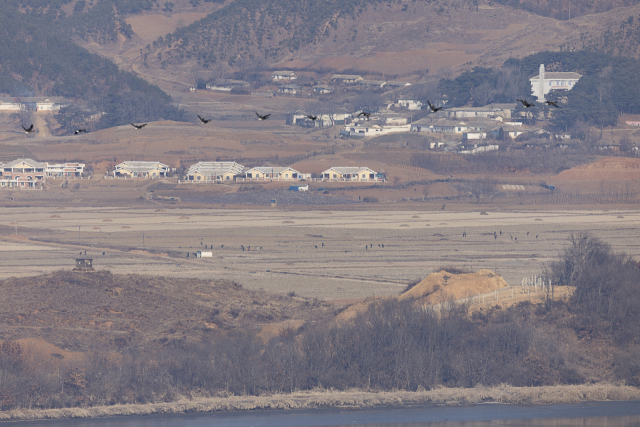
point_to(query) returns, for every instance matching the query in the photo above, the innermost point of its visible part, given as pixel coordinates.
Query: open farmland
(280, 244)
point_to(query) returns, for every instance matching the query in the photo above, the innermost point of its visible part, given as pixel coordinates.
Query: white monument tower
(541, 85)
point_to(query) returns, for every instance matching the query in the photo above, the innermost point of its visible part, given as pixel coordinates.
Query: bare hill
(76, 310)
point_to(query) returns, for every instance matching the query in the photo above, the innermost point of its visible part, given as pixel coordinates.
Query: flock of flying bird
(261, 117)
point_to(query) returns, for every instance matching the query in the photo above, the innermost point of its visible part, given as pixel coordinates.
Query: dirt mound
(610, 168)
(444, 286)
(437, 288)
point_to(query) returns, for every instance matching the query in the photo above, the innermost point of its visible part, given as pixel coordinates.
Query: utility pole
(143, 239)
(78, 234)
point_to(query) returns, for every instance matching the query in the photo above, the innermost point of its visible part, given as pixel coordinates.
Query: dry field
(280, 243)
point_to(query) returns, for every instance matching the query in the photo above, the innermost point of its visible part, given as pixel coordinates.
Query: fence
(528, 285)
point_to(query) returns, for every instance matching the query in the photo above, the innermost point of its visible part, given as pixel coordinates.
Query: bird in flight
(79, 131)
(204, 121)
(138, 126)
(314, 118)
(554, 103)
(525, 103)
(265, 117)
(363, 113)
(29, 129)
(434, 109)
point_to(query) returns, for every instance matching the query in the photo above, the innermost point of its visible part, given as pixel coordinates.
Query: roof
(346, 76)
(397, 83)
(222, 82)
(215, 168)
(28, 161)
(283, 73)
(140, 166)
(372, 82)
(559, 75)
(269, 169)
(348, 169)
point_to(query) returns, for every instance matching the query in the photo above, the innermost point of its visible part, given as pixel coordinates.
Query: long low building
(273, 172)
(351, 173)
(141, 169)
(214, 171)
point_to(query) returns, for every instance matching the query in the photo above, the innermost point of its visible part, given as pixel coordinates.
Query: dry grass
(353, 399)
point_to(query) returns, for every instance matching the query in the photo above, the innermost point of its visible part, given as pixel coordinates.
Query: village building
(64, 170)
(275, 172)
(32, 103)
(22, 173)
(396, 84)
(299, 188)
(213, 171)
(409, 104)
(376, 84)
(281, 75)
(346, 78)
(141, 169)
(323, 89)
(545, 82)
(442, 126)
(363, 130)
(227, 85)
(290, 88)
(492, 111)
(351, 173)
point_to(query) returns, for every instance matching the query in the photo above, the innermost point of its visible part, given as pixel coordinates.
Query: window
(335, 176)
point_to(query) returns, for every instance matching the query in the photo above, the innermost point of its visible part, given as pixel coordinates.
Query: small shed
(204, 254)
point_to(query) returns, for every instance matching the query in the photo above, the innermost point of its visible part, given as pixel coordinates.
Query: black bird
(434, 109)
(525, 103)
(29, 129)
(363, 113)
(554, 103)
(314, 118)
(265, 117)
(138, 126)
(79, 131)
(204, 121)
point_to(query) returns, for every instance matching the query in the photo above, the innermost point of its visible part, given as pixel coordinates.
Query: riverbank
(345, 399)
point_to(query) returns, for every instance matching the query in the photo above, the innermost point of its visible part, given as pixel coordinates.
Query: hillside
(78, 311)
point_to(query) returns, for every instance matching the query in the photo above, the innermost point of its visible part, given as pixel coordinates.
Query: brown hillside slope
(76, 310)
(610, 168)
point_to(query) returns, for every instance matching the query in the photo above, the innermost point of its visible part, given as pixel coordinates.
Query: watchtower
(84, 264)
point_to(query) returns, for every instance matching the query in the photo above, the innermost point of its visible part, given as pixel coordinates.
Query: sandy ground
(283, 256)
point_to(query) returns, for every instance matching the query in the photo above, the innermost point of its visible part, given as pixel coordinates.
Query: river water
(589, 414)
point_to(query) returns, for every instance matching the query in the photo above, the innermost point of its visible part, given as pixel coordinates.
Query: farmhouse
(377, 84)
(226, 85)
(299, 188)
(350, 173)
(22, 173)
(373, 130)
(409, 104)
(545, 82)
(141, 169)
(346, 78)
(280, 75)
(291, 88)
(441, 126)
(213, 171)
(494, 111)
(323, 89)
(276, 172)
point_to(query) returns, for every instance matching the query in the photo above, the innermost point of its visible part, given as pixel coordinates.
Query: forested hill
(250, 28)
(39, 58)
